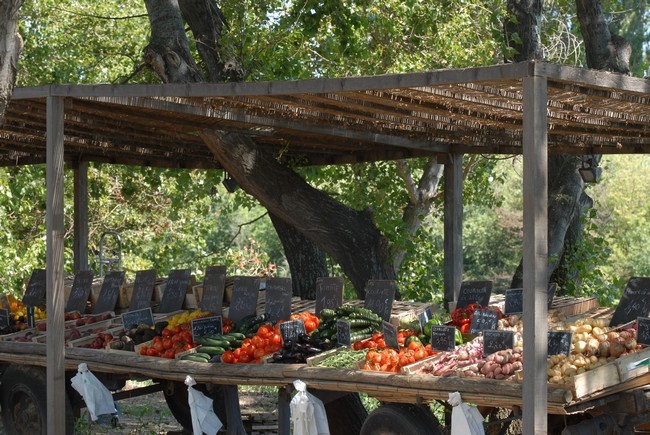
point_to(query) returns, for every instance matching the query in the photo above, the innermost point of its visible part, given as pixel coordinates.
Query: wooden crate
(572, 306)
(634, 365)
(596, 380)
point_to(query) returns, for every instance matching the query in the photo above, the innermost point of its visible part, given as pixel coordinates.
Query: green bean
(342, 359)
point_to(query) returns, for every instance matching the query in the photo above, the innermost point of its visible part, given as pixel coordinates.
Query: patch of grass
(258, 389)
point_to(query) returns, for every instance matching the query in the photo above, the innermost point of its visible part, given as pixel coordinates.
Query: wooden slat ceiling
(331, 121)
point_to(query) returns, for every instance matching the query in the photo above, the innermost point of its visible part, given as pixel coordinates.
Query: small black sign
(175, 291)
(634, 303)
(329, 293)
(214, 283)
(143, 285)
(474, 292)
(277, 302)
(643, 330)
(494, 341)
(443, 338)
(552, 288)
(31, 319)
(559, 342)
(390, 334)
(379, 297)
(131, 319)
(424, 317)
(206, 326)
(245, 292)
(35, 291)
(292, 329)
(484, 319)
(343, 332)
(109, 292)
(4, 318)
(81, 287)
(514, 301)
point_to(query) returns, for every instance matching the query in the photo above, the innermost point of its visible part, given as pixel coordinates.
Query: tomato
(169, 354)
(258, 341)
(370, 344)
(187, 336)
(264, 330)
(166, 333)
(276, 338)
(250, 350)
(258, 353)
(403, 360)
(158, 346)
(177, 329)
(226, 328)
(420, 353)
(143, 349)
(228, 357)
(167, 343)
(152, 352)
(237, 353)
(414, 345)
(358, 345)
(244, 357)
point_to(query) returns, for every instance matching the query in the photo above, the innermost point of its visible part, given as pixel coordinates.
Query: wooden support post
(535, 261)
(284, 411)
(81, 217)
(234, 423)
(54, 265)
(453, 227)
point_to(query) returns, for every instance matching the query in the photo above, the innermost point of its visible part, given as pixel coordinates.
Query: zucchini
(212, 350)
(208, 341)
(196, 357)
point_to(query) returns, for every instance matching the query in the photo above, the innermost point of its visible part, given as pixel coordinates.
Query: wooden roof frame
(528, 108)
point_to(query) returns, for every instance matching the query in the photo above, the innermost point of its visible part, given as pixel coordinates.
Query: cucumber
(220, 342)
(196, 357)
(212, 350)
(327, 313)
(235, 335)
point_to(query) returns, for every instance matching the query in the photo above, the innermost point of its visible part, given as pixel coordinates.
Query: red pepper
(460, 317)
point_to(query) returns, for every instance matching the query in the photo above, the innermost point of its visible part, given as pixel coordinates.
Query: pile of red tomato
(171, 342)
(386, 359)
(311, 320)
(266, 341)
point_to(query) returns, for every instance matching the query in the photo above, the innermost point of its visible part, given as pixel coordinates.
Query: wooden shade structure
(528, 108)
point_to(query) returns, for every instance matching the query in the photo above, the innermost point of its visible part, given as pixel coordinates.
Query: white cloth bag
(204, 420)
(99, 400)
(307, 412)
(465, 419)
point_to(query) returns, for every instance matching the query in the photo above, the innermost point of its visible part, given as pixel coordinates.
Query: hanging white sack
(465, 419)
(307, 412)
(204, 420)
(98, 399)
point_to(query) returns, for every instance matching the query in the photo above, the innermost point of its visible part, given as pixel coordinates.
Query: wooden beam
(453, 227)
(54, 265)
(535, 261)
(80, 246)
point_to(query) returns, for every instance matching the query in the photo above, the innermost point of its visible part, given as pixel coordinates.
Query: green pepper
(458, 336)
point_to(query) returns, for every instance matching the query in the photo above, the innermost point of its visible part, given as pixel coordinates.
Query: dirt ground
(150, 415)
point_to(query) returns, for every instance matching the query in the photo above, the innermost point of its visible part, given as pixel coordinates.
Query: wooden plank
(634, 365)
(80, 245)
(55, 377)
(596, 380)
(453, 227)
(535, 261)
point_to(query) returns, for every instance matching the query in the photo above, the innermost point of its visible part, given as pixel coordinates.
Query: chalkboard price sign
(379, 297)
(329, 293)
(559, 342)
(4, 318)
(109, 292)
(424, 317)
(277, 302)
(143, 285)
(81, 287)
(343, 333)
(643, 330)
(494, 341)
(31, 318)
(206, 326)
(634, 303)
(390, 334)
(483, 319)
(35, 291)
(514, 301)
(175, 290)
(214, 283)
(474, 292)
(245, 291)
(443, 338)
(292, 329)
(131, 319)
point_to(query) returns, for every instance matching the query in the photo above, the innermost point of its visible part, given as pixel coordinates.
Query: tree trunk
(523, 20)
(168, 52)
(348, 236)
(208, 24)
(307, 261)
(11, 44)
